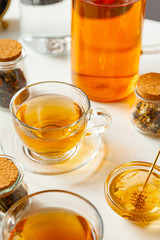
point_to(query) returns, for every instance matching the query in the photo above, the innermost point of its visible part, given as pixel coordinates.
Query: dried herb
(7, 201)
(10, 82)
(147, 117)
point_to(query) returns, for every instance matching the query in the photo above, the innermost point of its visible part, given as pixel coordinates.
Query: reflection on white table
(121, 143)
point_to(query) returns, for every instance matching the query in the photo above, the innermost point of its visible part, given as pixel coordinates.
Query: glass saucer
(87, 150)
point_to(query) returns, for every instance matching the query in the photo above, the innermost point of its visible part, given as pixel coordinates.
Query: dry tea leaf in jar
(12, 185)
(12, 77)
(146, 110)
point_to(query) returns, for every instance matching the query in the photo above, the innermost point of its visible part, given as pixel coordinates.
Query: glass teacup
(51, 118)
(52, 214)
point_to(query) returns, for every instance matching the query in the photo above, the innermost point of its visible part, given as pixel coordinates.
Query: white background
(122, 142)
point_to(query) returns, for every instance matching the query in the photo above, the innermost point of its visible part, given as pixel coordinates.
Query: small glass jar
(12, 71)
(145, 115)
(11, 193)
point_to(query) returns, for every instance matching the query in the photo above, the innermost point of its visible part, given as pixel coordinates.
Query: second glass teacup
(52, 215)
(51, 118)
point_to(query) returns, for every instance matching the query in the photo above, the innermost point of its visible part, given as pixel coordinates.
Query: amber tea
(54, 126)
(52, 119)
(53, 224)
(106, 46)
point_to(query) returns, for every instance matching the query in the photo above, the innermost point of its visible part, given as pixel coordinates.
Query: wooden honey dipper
(138, 199)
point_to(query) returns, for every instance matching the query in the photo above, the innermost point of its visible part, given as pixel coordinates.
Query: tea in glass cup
(53, 215)
(51, 118)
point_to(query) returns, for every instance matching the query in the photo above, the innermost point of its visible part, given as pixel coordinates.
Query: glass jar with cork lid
(12, 72)
(145, 113)
(12, 184)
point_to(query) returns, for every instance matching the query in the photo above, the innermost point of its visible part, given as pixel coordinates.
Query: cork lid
(8, 173)
(148, 86)
(9, 50)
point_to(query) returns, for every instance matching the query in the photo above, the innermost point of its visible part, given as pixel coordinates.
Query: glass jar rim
(144, 99)
(19, 179)
(49, 82)
(117, 170)
(12, 208)
(129, 2)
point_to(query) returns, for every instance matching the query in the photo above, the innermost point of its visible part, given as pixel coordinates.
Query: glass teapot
(106, 47)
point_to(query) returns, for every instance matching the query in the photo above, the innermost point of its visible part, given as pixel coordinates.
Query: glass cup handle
(151, 49)
(93, 128)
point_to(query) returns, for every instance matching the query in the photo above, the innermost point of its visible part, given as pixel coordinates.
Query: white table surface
(122, 142)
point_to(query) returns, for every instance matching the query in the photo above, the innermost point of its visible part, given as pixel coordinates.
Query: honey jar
(125, 195)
